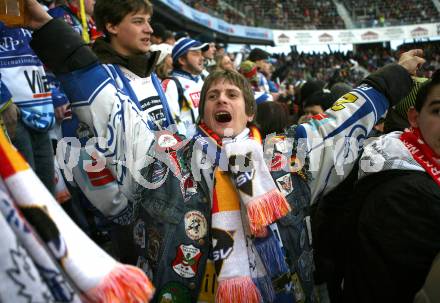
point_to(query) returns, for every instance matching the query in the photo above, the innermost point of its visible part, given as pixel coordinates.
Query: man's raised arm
(332, 141)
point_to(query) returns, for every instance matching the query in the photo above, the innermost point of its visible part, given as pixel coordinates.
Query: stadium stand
(292, 14)
(315, 14)
(349, 67)
(366, 13)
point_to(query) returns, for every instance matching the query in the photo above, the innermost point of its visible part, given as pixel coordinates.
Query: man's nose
(222, 98)
(148, 28)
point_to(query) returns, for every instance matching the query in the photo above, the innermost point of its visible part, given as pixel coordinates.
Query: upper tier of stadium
(320, 14)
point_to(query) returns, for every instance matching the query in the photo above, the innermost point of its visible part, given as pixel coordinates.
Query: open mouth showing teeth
(223, 117)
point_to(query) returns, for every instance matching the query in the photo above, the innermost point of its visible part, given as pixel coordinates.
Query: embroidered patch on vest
(188, 187)
(157, 172)
(139, 233)
(153, 246)
(196, 225)
(186, 262)
(143, 264)
(174, 292)
(284, 184)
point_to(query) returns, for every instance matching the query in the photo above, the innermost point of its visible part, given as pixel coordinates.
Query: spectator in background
(183, 89)
(272, 117)
(317, 103)
(169, 38)
(8, 111)
(261, 59)
(71, 14)
(220, 49)
(209, 54)
(159, 32)
(180, 35)
(24, 76)
(249, 70)
(164, 64)
(287, 97)
(340, 88)
(223, 62)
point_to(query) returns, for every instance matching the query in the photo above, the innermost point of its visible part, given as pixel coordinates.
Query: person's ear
(250, 118)
(413, 117)
(181, 60)
(111, 28)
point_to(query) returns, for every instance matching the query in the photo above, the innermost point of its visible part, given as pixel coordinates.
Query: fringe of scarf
(97, 276)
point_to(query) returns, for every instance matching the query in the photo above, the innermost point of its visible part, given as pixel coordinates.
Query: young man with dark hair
(212, 207)
(124, 54)
(396, 226)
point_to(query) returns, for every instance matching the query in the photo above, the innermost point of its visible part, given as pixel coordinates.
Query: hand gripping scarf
(245, 202)
(422, 153)
(97, 276)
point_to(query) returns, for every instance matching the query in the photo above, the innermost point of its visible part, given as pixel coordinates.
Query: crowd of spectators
(350, 67)
(380, 13)
(317, 14)
(310, 14)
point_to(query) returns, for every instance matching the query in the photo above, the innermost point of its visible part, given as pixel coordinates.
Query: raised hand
(412, 60)
(36, 16)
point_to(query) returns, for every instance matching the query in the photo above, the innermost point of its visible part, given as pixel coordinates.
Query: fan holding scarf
(230, 223)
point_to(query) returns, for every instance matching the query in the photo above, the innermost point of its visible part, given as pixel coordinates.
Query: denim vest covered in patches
(172, 238)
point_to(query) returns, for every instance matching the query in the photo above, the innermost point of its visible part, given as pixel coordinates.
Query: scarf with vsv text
(245, 201)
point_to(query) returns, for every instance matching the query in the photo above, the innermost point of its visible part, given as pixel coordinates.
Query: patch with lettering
(195, 98)
(186, 262)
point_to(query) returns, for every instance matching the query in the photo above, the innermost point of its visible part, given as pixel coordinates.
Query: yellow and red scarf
(244, 203)
(422, 153)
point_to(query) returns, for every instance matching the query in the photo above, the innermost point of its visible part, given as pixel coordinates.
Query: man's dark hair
(167, 35)
(113, 11)
(425, 90)
(323, 99)
(176, 63)
(272, 117)
(159, 30)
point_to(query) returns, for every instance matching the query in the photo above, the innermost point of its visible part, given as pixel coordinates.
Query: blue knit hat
(185, 45)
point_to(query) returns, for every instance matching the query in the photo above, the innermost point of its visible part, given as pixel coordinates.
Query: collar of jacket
(141, 65)
(184, 74)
